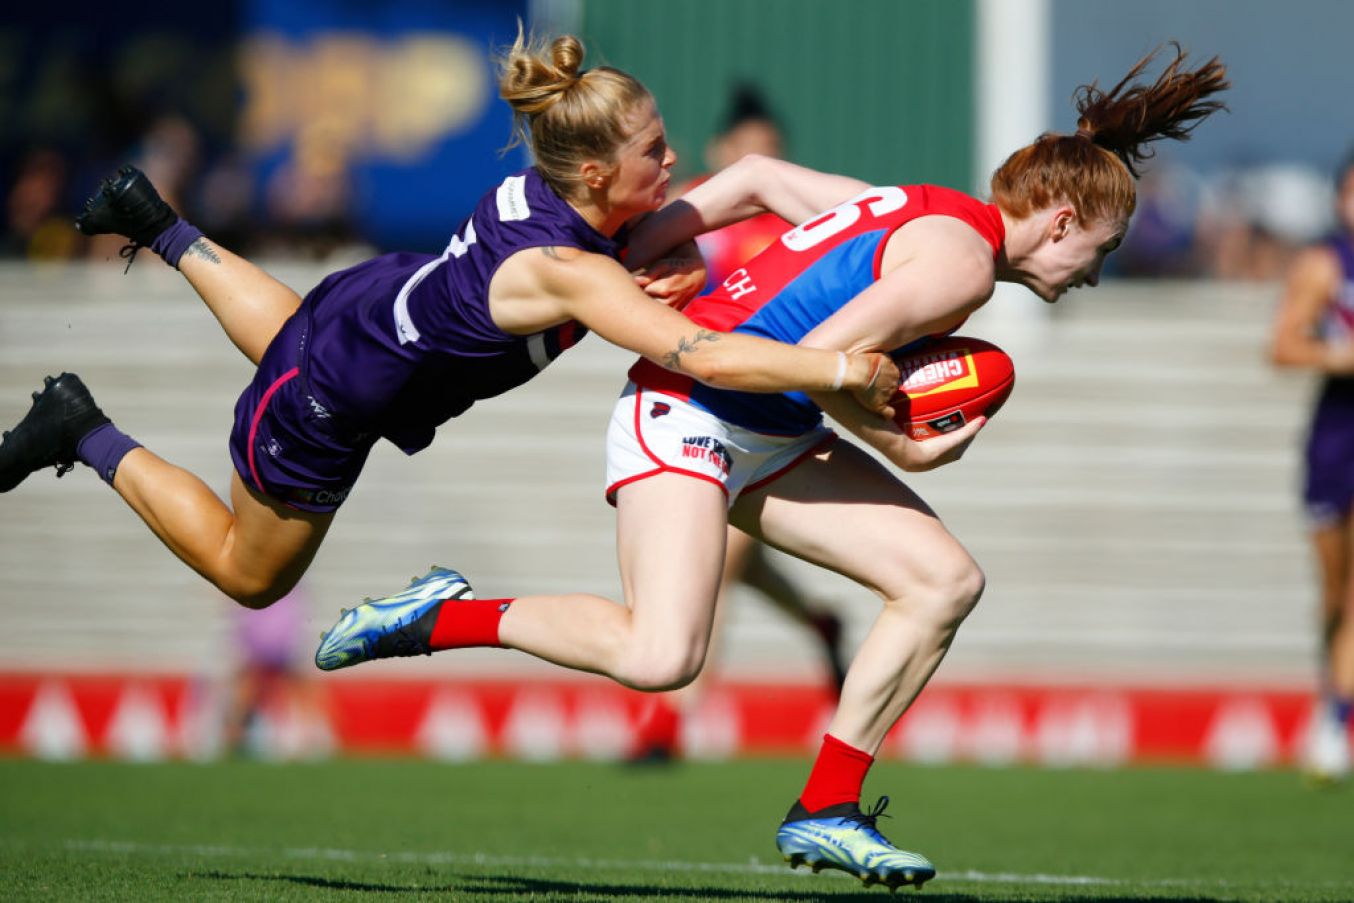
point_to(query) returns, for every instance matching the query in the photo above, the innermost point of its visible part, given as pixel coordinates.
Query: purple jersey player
(397, 345)
(1314, 329)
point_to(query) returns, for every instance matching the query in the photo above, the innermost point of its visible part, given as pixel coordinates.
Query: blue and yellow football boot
(843, 837)
(397, 625)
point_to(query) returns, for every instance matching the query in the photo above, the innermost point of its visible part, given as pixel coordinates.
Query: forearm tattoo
(200, 248)
(673, 359)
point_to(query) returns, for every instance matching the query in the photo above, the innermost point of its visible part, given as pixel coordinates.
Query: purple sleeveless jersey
(397, 345)
(1329, 488)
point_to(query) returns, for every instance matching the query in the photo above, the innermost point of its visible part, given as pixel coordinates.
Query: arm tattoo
(673, 359)
(200, 248)
(551, 251)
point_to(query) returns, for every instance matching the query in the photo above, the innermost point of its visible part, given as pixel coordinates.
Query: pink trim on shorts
(258, 415)
(661, 468)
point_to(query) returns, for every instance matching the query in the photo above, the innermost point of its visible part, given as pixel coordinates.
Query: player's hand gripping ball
(947, 382)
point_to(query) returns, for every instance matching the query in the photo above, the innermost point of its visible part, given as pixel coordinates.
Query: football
(947, 382)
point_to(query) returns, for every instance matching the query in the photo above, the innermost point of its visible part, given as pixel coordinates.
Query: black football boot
(62, 414)
(127, 204)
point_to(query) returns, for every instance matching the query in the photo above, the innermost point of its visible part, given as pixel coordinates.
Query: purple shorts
(1329, 490)
(288, 445)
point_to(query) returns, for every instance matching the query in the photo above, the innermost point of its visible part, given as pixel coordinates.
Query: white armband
(841, 371)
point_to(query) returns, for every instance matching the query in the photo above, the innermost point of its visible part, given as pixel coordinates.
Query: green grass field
(385, 830)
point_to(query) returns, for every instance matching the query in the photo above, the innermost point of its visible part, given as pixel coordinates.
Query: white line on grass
(122, 848)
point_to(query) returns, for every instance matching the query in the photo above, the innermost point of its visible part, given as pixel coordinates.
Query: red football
(947, 382)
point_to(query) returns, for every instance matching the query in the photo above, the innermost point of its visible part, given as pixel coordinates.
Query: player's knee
(968, 589)
(256, 592)
(659, 670)
(950, 592)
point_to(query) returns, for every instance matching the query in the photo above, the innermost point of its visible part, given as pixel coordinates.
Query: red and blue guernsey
(401, 343)
(800, 281)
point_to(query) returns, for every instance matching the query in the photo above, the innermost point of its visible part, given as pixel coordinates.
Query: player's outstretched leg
(843, 837)
(63, 414)
(127, 204)
(250, 304)
(396, 625)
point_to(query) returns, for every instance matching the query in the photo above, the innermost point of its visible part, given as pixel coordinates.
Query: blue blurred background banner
(399, 97)
(281, 127)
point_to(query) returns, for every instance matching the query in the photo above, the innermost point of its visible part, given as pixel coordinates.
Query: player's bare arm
(1311, 286)
(676, 277)
(920, 294)
(202, 248)
(673, 360)
(534, 291)
(753, 185)
(884, 436)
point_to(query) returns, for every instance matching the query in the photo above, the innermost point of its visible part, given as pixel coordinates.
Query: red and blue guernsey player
(801, 280)
(883, 267)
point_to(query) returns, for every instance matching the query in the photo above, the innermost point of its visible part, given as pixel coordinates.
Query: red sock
(837, 776)
(659, 726)
(468, 622)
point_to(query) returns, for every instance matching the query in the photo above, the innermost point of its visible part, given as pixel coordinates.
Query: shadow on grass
(505, 885)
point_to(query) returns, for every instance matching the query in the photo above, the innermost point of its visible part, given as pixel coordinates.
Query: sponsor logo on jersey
(944, 371)
(708, 448)
(738, 284)
(511, 199)
(659, 409)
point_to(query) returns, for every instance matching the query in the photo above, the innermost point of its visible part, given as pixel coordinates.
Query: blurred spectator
(275, 710)
(225, 199)
(1252, 221)
(36, 225)
(1161, 241)
(749, 128)
(308, 199)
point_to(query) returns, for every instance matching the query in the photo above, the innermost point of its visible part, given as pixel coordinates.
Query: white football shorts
(653, 433)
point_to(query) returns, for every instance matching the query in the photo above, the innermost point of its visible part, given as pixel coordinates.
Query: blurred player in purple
(275, 707)
(397, 345)
(1314, 330)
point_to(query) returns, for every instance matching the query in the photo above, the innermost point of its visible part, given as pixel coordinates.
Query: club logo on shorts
(708, 448)
(659, 409)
